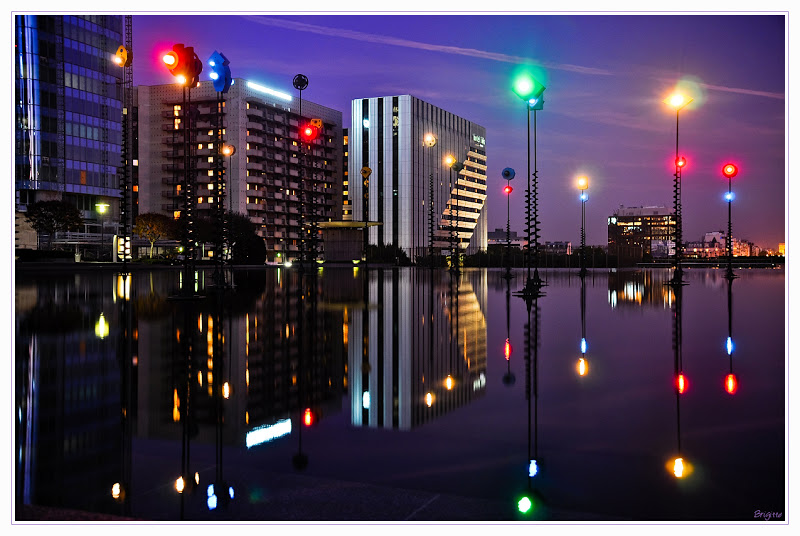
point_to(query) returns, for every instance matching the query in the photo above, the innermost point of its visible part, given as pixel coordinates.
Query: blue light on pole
(533, 469)
(729, 345)
(729, 196)
(583, 346)
(220, 72)
(584, 196)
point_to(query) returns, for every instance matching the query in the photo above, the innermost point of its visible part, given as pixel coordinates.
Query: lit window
(210, 172)
(176, 214)
(210, 146)
(211, 159)
(199, 145)
(199, 199)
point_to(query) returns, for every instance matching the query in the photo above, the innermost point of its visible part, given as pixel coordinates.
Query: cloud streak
(396, 41)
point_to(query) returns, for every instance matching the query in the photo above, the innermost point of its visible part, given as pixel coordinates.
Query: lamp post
(729, 171)
(583, 186)
(508, 174)
(227, 150)
(531, 91)
(678, 102)
(455, 240)
(101, 209)
(429, 141)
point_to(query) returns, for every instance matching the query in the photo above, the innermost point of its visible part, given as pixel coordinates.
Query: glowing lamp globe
(507, 190)
(730, 170)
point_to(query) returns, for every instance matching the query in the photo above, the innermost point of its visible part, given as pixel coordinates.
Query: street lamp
(678, 102)
(101, 209)
(531, 91)
(583, 186)
(729, 171)
(227, 150)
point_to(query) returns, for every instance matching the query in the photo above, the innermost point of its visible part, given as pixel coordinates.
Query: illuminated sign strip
(263, 434)
(268, 91)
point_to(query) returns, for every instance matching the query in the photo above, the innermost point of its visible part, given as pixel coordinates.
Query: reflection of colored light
(677, 468)
(507, 350)
(179, 485)
(583, 346)
(683, 383)
(731, 384)
(115, 490)
(533, 469)
(308, 418)
(365, 400)
(448, 383)
(583, 367)
(429, 399)
(524, 505)
(729, 345)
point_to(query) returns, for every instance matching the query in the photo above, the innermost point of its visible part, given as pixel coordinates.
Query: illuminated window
(176, 214)
(210, 172)
(135, 187)
(211, 159)
(210, 146)
(199, 199)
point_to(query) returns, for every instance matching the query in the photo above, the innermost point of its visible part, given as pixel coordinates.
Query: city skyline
(603, 114)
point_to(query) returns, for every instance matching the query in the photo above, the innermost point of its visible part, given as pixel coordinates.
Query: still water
(402, 379)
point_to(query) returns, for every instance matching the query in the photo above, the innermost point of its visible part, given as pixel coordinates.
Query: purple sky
(606, 78)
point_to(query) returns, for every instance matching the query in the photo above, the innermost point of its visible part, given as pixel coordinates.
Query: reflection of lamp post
(101, 209)
(583, 186)
(531, 91)
(678, 102)
(730, 171)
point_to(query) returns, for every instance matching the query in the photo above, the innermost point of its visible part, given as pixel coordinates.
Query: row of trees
(49, 217)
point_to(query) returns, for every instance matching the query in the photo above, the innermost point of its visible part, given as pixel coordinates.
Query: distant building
(636, 232)
(557, 248)
(498, 236)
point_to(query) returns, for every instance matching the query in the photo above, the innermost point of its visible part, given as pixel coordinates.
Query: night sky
(604, 117)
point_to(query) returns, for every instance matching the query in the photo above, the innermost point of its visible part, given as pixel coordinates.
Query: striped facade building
(407, 177)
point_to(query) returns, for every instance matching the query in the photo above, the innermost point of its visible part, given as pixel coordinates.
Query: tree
(52, 216)
(152, 227)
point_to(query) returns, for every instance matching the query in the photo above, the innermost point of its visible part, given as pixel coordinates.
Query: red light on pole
(507, 190)
(730, 170)
(731, 383)
(309, 132)
(507, 350)
(680, 161)
(682, 383)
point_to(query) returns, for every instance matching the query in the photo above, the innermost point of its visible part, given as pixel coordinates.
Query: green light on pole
(528, 88)
(524, 505)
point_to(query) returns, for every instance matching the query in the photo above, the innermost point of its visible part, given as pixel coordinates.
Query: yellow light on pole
(449, 160)
(429, 140)
(583, 183)
(678, 100)
(582, 367)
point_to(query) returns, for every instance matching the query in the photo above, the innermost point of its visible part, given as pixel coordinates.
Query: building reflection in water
(640, 288)
(416, 346)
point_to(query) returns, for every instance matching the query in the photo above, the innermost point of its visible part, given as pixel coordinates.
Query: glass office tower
(68, 112)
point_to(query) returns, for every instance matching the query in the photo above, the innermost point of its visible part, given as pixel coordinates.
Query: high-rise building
(410, 191)
(278, 180)
(68, 112)
(635, 232)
